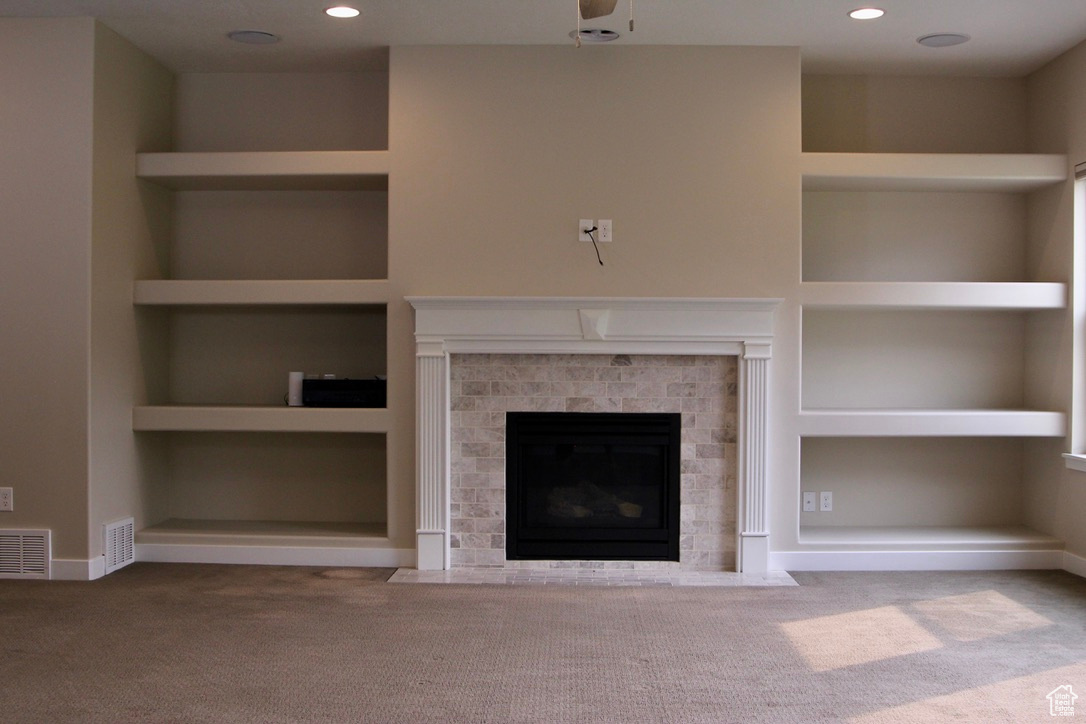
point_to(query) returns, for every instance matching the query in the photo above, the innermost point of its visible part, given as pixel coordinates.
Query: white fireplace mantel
(590, 325)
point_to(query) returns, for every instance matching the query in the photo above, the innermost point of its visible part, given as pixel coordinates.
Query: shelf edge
(182, 292)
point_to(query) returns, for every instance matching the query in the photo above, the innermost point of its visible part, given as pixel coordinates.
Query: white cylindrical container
(294, 389)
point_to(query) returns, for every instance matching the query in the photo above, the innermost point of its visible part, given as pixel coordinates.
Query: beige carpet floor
(194, 643)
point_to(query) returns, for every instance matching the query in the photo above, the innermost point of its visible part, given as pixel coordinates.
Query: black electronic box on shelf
(344, 393)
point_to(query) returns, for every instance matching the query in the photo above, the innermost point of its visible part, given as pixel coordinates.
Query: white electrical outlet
(606, 231)
(582, 229)
(7, 499)
(825, 502)
(808, 502)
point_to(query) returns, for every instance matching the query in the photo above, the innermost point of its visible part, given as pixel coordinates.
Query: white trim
(1075, 461)
(1074, 564)
(276, 555)
(915, 560)
(591, 325)
(77, 570)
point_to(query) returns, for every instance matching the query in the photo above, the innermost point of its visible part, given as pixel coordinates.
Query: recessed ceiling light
(253, 37)
(595, 35)
(942, 40)
(866, 13)
(342, 11)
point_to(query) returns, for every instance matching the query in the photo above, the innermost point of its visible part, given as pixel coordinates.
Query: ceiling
(1009, 37)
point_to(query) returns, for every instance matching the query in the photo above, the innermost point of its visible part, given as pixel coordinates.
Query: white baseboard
(276, 555)
(1074, 564)
(61, 569)
(918, 560)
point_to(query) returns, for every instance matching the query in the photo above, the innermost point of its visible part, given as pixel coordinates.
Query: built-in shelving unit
(277, 262)
(916, 306)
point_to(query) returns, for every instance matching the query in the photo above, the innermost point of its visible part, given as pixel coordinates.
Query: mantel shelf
(241, 418)
(1023, 296)
(930, 423)
(931, 171)
(260, 292)
(293, 170)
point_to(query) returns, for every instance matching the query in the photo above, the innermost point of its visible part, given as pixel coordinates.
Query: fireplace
(560, 327)
(592, 486)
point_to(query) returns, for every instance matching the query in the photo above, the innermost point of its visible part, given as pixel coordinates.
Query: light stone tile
(476, 510)
(491, 496)
(588, 389)
(696, 404)
(464, 404)
(459, 433)
(697, 373)
(475, 480)
(596, 404)
(490, 434)
(652, 389)
(490, 558)
(490, 526)
(481, 449)
(462, 557)
(462, 526)
(608, 374)
(681, 389)
(709, 450)
(651, 404)
(490, 465)
(462, 495)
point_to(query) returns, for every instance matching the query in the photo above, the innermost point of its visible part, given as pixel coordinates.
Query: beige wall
(906, 114)
(133, 97)
(282, 111)
(1057, 124)
(45, 228)
(498, 151)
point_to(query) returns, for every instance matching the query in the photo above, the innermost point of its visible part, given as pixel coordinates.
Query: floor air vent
(24, 553)
(120, 544)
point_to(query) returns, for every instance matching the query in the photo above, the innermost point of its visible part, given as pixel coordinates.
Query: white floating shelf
(294, 170)
(931, 171)
(182, 531)
(259, 292)
(931, 423)
(285, 543)
(935, 295)
(200, 418)
(932, 538)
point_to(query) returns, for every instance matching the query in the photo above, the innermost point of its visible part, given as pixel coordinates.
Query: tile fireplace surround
(657, 336)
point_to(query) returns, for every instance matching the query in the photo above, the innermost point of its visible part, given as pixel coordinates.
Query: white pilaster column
(432, 456)
(753, 458)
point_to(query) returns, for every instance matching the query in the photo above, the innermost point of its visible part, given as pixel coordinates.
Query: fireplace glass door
(592, 486)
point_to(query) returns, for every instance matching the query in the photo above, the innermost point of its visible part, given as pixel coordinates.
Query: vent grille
(24, 553)
(120, 544)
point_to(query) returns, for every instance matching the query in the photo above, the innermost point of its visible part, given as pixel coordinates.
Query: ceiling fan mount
(597, 8)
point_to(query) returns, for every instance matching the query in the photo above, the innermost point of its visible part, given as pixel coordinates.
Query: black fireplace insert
(592, 486)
